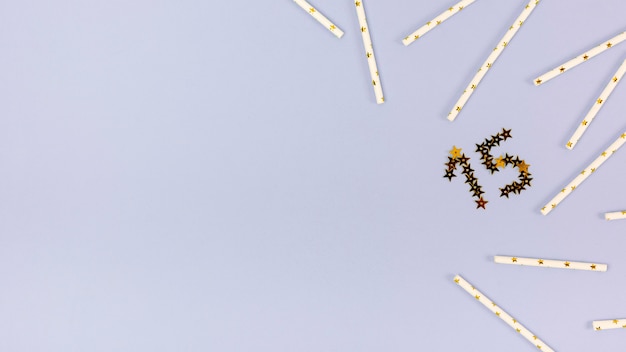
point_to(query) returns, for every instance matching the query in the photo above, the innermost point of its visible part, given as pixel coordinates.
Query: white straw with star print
(320, 18)
(618, 215)
(609, 324)
(369, 52)
(584, 174)
(549, 263)
(580, 59)
(497, 51)
(509, 320)
(453, 10)
(596, 106)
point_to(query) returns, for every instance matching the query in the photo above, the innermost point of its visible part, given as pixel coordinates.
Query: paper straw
(369, 52)
(618, 215)
(509, 320)
(609, 324)
(549, 263)
(497, 51)
(320, 17)
(584, 174)
(436, 21)
(580, 59)
(597, 105)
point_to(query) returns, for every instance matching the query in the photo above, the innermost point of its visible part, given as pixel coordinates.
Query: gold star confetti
(540, 261)
(523, 167)
(567, 264)
(455, 152)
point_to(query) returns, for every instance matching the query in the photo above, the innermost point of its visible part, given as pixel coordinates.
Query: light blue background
(216, 176)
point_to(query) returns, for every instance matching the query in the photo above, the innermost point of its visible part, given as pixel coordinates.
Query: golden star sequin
(455, 152)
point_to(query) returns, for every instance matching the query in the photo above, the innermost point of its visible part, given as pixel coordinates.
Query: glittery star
(481, 148)
(477, 297)
(567, 264)
(540, 261)
(363, 29)
(500, 162)
(608, 45)
(538, 81)
(614, 79)
(449, 175)
(523, 167)
(505, 134)
(504, 192)
(357, 3)
(598, 328)
(599, 101)
(455, 152)
(562, 69)
(593, 267)
(480, 203)
(615, 321)
(496, 139)
(456, 280)
(332, 27)
(463, 159)
(477, 190)
(311, 10)
(586, 57)
(514, 260)
(498, 313)
(569, 144)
